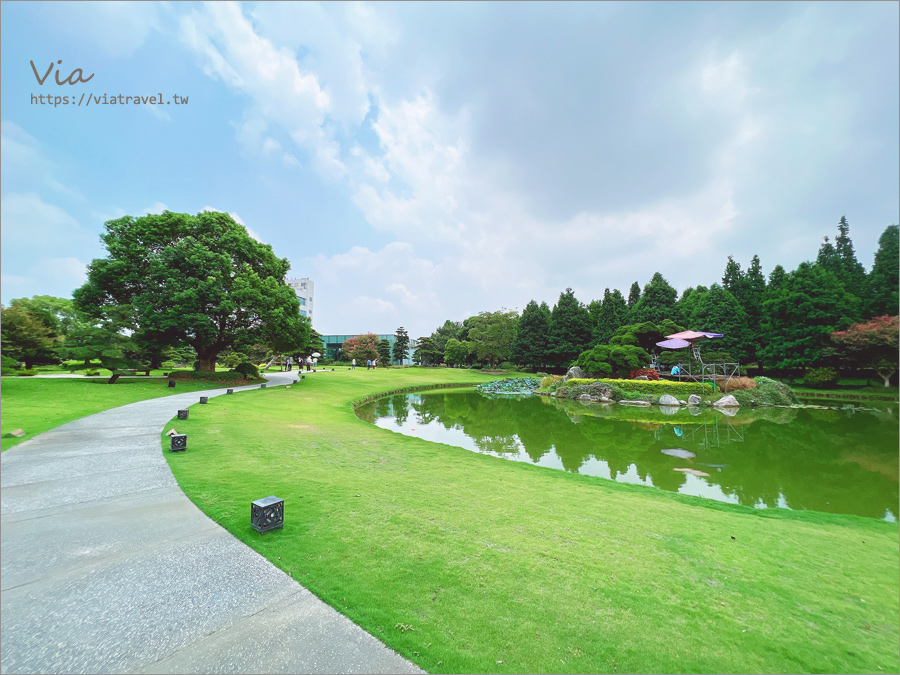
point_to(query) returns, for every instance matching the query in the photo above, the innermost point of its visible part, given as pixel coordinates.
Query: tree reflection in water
(840, 461)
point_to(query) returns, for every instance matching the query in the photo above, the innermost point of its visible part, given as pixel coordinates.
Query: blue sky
(424, 161)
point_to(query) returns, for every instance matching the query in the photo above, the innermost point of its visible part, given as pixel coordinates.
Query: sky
(430, 161)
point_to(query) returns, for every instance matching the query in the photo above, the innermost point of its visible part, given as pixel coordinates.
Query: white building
(305, 291)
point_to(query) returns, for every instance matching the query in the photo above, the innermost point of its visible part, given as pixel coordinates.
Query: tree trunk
(113, 379)
(206, 359)
(886, 378)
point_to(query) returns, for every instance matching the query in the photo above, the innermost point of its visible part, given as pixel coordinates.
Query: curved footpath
(107, 567)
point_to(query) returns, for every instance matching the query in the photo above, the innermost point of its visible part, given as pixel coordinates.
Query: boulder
(574, 373)
(727, 401)
(666, 399)
(585, 397)
(604, 399)
(693, 399)
(641, 377)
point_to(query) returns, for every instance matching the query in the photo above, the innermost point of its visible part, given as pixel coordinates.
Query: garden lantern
(179, 442)
(230, 391)
(204, 399)
(183, 414)
(171, 384)
(267, 514)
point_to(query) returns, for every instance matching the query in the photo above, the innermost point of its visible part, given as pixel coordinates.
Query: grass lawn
(38, 405)
(470, 563)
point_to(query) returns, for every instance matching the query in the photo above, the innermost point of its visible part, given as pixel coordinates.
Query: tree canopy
(198, 280)
(570, 330)
(491, 335)
(530, 346)
(873, 344)
(657, 302)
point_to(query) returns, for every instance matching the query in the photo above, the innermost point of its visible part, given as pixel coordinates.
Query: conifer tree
(530, 345)
(570, 330)
(613, 314)
(657, 302)
(884, 277)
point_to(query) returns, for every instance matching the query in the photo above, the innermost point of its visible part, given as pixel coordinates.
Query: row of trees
(789, 321)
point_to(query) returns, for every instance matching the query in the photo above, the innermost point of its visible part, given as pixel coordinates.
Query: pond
(838, 461)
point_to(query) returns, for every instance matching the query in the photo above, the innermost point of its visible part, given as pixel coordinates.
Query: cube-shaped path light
(171, 384)
(204, 399)
(230, 391)
(179, 442)
(267, 514)
(262, 386)
(183, 414)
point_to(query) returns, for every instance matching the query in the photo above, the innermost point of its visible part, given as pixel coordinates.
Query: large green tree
(198, 280)
(657, 302)
(491, 335)
(613, 314)
(884, 278)
(425, 353)
(530, 346)
(361, 347)
(801, 313)
(570, 330)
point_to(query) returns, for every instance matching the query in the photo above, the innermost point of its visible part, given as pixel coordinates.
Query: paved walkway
(107, 567)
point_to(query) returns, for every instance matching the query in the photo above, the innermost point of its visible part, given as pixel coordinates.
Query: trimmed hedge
(229, 377)
(653, 387)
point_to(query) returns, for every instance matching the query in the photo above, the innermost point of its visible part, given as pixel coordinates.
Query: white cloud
(116, 29)
(29, 221)
(156, 208)
(286, 98)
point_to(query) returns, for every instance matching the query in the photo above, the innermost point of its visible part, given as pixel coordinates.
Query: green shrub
(551, 382)
(767, 392)
(659, 387)
(93, 372)
(229, 377)
(608, 359)
(821, 378)
(476, 366)
(248, 370)
(9, 365)
(27, 372)
(506, 365)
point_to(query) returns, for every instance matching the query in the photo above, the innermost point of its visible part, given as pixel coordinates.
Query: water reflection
(840, 461)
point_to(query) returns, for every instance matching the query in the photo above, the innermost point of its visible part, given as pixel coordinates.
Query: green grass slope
(470, 563)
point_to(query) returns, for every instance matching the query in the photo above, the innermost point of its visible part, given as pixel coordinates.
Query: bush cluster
(821, 378)
(228, 377)
(27, 372)
(248, 370)
(767, 392)
(657, 388)
(551, 382)
(9, 365)
(735, 384)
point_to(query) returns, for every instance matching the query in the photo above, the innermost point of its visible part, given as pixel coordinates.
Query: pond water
(839, 461)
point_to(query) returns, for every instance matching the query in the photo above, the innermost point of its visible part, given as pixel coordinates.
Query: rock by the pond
(667, 399)
(640, 403)
(693, 472)
(604, 399)
(575, 373)
(641, 377)
(18, 433)
(678, 452)
(693, 399)
(727, 401)
(682, 402)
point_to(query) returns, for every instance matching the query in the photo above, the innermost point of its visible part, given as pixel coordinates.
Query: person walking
(353, 365)
(368, 364)
(289, 362)
(315, 363)
(375, 364)
(308, 363)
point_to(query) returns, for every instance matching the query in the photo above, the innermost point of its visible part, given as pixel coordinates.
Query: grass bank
(469, 563)
(38, 405)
